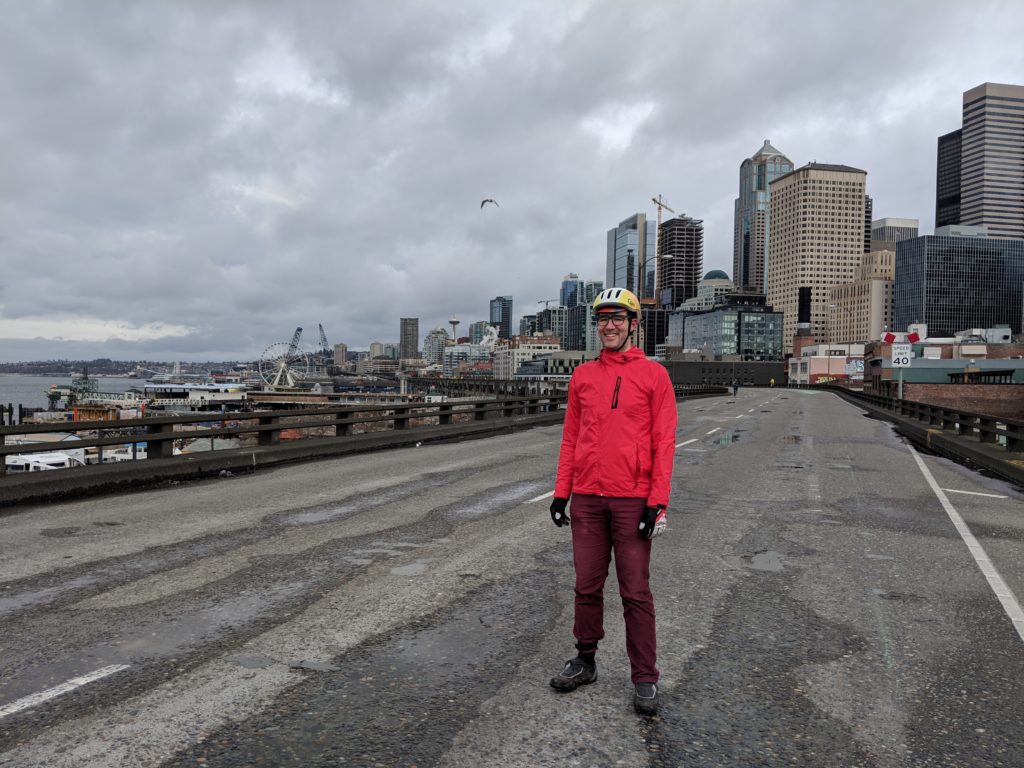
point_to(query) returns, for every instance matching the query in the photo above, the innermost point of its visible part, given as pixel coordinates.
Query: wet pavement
(816, 607)
(400, 700)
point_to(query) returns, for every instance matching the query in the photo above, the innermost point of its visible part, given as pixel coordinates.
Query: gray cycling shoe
(645, 698)
(577, 672)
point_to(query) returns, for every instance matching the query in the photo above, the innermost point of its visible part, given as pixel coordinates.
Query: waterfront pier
(827, 595)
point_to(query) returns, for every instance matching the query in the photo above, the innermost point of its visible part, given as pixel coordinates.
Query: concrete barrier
(41, 487)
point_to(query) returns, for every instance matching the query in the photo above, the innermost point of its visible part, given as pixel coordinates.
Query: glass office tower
(501, 315)
(752, 207)
(632, 238)
(954, 282)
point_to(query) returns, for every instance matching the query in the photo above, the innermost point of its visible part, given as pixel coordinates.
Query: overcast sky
(193, 180)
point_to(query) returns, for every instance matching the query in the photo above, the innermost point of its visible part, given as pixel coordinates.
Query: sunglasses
(616, 320)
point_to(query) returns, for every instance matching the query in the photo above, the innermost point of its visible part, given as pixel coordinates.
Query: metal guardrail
(1008, 433)
(160, 432)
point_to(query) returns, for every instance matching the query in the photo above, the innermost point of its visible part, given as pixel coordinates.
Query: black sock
(586, 652)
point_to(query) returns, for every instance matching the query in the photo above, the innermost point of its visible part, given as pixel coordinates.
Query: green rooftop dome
(716, 274)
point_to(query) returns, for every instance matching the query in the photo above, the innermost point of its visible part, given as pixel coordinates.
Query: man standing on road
(615, 462)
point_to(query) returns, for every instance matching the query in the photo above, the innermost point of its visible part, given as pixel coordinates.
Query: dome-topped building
(716, 274)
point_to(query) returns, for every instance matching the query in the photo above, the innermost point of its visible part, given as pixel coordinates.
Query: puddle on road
(68, 532)
(152, 639)
(413, 569)
(44, 595)
(758, 561)
(791, 439)
(251, 662)
(497, 499)
(766, 561)
(366, 501)
(119, 569)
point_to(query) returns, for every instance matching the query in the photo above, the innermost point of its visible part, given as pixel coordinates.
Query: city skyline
(263, 172)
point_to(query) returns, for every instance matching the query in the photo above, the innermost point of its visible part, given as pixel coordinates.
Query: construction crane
(323, 340)
(661, 203)
(547, 302)
(293, 346)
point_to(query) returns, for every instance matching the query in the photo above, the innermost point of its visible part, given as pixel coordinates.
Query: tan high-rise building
(862, 310)
(816, 239)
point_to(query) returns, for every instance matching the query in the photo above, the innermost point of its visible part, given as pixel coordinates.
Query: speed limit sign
(902, 354)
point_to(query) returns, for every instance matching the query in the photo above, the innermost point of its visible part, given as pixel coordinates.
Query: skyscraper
(947, 179)
(408, 338)
(477, 331)
(958, 279)
(572, 291)
(752, 210)
(817, 239)
(434, 344)
(680, 260)
(591, 289)
(631, 242)
(991, 153)
(501, 315)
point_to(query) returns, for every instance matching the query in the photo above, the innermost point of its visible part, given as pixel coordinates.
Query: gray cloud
(239, 169)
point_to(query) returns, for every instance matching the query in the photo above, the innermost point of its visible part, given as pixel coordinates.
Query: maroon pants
(601, 525)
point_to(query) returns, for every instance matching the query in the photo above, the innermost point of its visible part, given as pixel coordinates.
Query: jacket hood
(620, 358)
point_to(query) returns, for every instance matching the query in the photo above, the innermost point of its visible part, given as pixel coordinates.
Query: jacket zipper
(615, 394)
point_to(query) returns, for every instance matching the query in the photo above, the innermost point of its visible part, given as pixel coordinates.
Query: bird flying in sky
(488, 200)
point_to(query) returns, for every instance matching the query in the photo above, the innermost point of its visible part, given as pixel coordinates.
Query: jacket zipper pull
(615, 394)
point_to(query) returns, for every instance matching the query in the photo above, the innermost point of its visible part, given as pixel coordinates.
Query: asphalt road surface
(826, 596)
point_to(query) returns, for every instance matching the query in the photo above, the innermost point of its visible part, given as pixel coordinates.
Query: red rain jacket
(620, 429)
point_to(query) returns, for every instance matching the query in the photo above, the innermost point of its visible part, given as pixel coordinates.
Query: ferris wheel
(283, 364)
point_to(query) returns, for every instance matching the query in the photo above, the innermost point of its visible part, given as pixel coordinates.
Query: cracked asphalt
(816, 607)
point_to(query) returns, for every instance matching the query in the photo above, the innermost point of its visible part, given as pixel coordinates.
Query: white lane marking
(712, 431)
(51, 693)
(686, 442)
(975, 493)
(1002, 591)
(738, 417)
(544, 496)
(751, 410)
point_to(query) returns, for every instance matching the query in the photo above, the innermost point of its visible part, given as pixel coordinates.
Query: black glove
(653, 522)
(558, 514)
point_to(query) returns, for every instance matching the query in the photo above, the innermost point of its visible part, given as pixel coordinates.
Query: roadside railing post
(479, 411)
(159, 444)
(987, 430)
(341, 427)
(401, 418)
(1014, 438)
(948, 419)
(965, 424)
(269, 436)
(444, 413)
(3, 459)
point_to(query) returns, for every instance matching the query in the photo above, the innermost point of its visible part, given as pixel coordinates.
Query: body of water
(30, 391)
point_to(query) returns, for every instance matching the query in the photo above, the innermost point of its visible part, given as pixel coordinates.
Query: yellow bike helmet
(617, 298)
